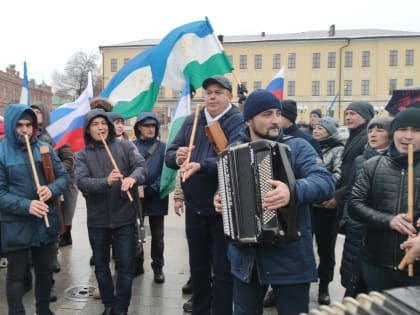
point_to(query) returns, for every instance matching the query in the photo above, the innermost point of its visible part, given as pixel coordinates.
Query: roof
(310, 35)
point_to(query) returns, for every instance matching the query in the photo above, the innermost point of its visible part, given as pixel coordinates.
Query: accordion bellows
(243, 171)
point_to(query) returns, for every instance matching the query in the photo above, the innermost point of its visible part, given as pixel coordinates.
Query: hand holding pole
(114, 164)
(197, 109)
(34, 172)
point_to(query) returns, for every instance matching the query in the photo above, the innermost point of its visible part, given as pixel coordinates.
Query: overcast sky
(46, 33)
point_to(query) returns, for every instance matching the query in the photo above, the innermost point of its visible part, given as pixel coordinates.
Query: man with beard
(289, 266)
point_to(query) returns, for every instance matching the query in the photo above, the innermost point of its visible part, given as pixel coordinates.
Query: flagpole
(197, 109)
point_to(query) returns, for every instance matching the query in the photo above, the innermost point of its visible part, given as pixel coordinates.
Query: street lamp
(379, 109)
(302, 109)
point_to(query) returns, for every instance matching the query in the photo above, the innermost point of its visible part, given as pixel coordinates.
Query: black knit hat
(289, 110)
(317, 112)
(364, 109)
(27, 115)
(259, 101)
(407, 118)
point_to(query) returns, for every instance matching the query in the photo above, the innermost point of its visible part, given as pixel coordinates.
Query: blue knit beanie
(259, 101)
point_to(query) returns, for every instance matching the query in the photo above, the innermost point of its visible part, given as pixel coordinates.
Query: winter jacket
(152, 203)
(332, 153)
(288, 262)
(379, 194)
(351, 257)
(200, 188)
(108, 206)
(19, 229)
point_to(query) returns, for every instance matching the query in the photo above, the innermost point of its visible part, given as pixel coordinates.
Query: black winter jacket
(379, 194)
(200, 188)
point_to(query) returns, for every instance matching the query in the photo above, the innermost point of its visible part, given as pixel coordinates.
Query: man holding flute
(106, 169)
(380, 200)
(29, 221)
(204, 227)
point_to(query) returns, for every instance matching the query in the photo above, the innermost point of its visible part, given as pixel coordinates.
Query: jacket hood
(11, 117)
(92, 115)
(45, 113)
(144, 116)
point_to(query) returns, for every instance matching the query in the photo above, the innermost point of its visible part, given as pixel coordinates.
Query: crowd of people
(358, 187)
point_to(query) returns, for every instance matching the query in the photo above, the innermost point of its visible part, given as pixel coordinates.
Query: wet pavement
(75, 281)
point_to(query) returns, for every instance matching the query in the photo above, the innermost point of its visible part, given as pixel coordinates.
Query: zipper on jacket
(396, 212)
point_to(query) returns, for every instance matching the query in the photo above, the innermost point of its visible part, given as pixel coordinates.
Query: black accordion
(243, 171)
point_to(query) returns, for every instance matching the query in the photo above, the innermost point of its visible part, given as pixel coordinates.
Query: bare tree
(73, 80)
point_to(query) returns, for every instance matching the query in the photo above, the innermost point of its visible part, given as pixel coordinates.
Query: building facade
(320, 67)
(11, 88)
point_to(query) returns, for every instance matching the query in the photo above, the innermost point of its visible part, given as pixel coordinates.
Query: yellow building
(355, 65)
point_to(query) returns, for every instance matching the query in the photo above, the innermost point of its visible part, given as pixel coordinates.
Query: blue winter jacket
(152, 203)
(288, 262)
(200, 188)
(19, 229)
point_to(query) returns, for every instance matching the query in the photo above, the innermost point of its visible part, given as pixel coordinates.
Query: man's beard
(266, 135)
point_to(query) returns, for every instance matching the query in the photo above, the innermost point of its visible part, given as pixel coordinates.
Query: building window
(291, 88)
(348, 59)
(315, 88)
(243, 62)
(365, 88)
(393, 58)
(291, 60)
(126, 60)
(408, 82)
(316, 60)
(332, 59)
(330, 88)
(348, 87)
(114, 65)
(409, 57)
(257, 85)
(258, 61)
(365, 58)
(276, 61)
(161, 92)
(392, 86)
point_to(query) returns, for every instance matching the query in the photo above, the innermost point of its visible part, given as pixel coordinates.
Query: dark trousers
(207, 249)
(157, 231)
(290, 299)
(325, 229)
(18, 262)
(124, 246)
(379, 278)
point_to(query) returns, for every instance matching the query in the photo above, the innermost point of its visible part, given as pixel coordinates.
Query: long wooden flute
(35, 173)
(114, 164)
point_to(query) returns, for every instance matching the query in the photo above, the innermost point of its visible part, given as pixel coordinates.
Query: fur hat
(364, 109)
(328, 123)
(259, 101)
(317, 112)
(101, 103)
(406, 118)
(289, 110)
(381, 122)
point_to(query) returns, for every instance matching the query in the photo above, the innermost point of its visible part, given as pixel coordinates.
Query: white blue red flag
(67, 120)
(276, 86)
(25, 94)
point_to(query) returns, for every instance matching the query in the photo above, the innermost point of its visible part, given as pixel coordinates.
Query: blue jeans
(248, 298)
(207, 249)
(124, 245)
(17, 270)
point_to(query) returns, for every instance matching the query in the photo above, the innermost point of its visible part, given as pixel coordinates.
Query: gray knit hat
(364, 109)
(381, 122)
(328, 123)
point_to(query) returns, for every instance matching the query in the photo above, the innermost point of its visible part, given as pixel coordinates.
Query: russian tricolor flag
(67, 120)
(276, 85)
